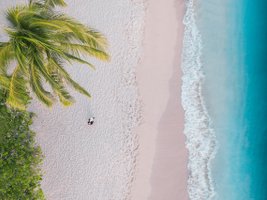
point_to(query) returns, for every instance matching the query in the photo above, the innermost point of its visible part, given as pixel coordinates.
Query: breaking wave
(201, 141)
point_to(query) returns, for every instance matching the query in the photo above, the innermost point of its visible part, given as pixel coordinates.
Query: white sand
(97, 162)
(162, 161)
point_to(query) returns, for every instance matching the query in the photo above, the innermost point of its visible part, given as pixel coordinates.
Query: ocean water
(232, 61)
(255, 40)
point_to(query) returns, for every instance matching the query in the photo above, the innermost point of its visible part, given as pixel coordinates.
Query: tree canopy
(41, 41)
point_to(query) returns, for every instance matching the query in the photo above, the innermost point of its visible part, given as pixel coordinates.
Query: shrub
(20, 156)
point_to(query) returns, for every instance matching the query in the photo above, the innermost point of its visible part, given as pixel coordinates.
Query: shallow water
(234, 38)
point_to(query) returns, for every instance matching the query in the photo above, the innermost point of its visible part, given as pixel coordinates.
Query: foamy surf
(201, 141)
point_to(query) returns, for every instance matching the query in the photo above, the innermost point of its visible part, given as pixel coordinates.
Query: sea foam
(201, 141)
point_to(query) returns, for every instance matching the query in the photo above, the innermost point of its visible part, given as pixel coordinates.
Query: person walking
(91, 121)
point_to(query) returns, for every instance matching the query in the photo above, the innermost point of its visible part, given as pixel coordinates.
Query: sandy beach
(120, 157)
(162, 160)
(133, 100)
(97, 162)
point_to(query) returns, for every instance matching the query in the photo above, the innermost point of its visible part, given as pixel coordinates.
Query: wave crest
(201, 141)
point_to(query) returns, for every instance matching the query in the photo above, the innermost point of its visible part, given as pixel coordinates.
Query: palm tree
(41, 41)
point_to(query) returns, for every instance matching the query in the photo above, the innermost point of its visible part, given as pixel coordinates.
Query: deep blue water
(234, 37)
(255, 48)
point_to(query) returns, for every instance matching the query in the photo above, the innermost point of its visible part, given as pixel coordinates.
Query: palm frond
(70, 58)
(77, 87)
(18, 96)
(47, 3)
(4, 82)
(67, 77)
(53, 79)
(54, 3)
(64, 96)
(37, 87)
(69, 28)
(40, 40)
(12, 15)
(86, 50)
(20, 15)
(20, 56)
(80, 32)
(41, 23)
(6, 55)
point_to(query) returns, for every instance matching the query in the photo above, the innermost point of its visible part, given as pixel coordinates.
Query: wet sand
(161, 171)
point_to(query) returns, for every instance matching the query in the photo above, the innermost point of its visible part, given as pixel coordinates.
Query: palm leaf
(4, 82)
(36, 85)
(70, 58)
(41, 39)
(67, 77)
(6, 55)
(18, 96)
(45, 24)
(50, 74)
(64, 97)
(12, 15)
(54, 3)
(48, 3)
(86, 49)
(20, 55)
(80, 32)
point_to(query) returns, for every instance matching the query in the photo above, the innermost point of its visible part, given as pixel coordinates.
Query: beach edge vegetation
(20, 156)
(40, 42)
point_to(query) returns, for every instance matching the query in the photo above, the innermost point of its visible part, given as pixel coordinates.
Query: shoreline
(161, 171)
(201, 139)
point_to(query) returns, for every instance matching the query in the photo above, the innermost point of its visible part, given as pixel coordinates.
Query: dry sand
(161, 172)
(84, 163)
(94, 162)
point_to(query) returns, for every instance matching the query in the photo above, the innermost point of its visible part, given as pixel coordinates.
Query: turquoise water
(255, 40)
(234, 37)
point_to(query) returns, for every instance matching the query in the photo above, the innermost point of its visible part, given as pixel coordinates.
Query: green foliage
(20, 157)
(41, 41)
(51, 3)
